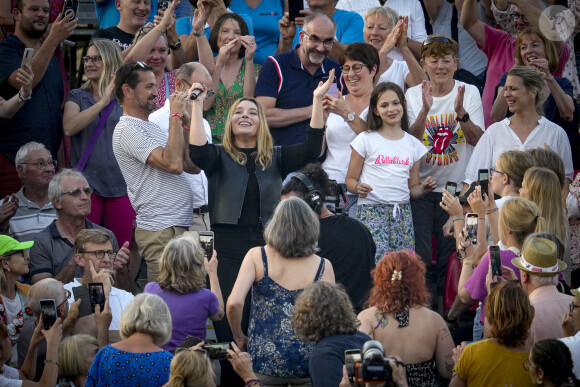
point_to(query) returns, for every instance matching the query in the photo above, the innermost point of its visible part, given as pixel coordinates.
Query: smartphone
(206, 242)
(70, 9)
(333, 90)
(82, 292)
(483, 180)
(495, 259)
(451, 187)
(97, 295)
(27, 57)
(217, 351)
(162, 5)
(48, 313)
(352, 356)
(471, 226)
(294, 8)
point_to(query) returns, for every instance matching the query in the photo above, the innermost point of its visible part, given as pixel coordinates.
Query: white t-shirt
(118, 301)
(499, 137)
(10, 377)
(396, 73)
(387, 166)
(160, 199)
(573, 343)
(198, 182)
(447, 150)
(339, 135)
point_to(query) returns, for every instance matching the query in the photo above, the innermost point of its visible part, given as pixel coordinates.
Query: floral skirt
(391, 226)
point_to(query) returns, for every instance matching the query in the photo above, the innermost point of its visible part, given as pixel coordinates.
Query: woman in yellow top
(498, 361)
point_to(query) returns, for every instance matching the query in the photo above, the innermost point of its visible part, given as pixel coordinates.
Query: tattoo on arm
(445, 332)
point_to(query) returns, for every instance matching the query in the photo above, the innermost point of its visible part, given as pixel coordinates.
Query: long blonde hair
(520, 216)
(265, 143)
(544, 189)
(112, 60)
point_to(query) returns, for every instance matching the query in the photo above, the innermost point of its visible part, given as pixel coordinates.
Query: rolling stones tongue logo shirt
(447, 150)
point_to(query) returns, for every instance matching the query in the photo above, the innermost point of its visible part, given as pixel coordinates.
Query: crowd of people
(390, 188)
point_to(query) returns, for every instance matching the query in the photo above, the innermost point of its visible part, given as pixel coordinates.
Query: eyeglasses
(328, 43)
(95, 59)
(75, 193)
(12, 253)
(573, 306)
(183, 349)
(100, 254)
(493, 170)
(139, 64)
(210, 92)
(43, 164)
(433, 39)
(355, 68)
(67, 296)
(518, 16)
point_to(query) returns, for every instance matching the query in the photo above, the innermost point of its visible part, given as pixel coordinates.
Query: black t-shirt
(117, 35)
(349, 246)
(327, 358)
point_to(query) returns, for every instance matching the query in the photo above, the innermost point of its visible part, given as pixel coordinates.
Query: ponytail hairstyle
(520, 216)
(555, 359)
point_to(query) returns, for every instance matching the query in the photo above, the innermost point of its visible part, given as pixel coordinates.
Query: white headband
(537, 269)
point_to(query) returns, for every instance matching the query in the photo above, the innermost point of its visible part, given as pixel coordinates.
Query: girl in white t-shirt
(384, 171)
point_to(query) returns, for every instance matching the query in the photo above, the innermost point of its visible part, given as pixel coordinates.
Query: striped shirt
(160, 199)
(29, 219)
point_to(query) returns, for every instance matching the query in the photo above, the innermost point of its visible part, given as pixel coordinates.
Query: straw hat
(575, 292)
(540, 257)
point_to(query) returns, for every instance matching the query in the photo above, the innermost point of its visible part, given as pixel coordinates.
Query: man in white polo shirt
(152, 163)
(187, 75)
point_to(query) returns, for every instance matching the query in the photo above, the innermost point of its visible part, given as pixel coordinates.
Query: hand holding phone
(206, 243)
(48, 312)
(97, 295)
(451, 187)
(495, 259)
(471, 226)
(27, 57)
(483, 181)
(294, 8)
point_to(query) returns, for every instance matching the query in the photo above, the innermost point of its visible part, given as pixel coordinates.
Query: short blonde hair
(181, 266)
(190, 368)
(293, 229)
(147, 313)
(72, 358)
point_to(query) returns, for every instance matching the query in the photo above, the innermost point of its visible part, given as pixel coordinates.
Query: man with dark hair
(344, 241)
(44, 104)
(152, 162)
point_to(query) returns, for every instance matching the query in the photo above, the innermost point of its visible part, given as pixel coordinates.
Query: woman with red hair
(399, 319)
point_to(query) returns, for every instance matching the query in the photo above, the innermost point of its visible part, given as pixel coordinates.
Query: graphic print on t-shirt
(442, 132)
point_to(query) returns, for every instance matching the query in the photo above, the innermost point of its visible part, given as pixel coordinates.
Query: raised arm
(214, 284)
(74, 120)
(417, 129)
(471, 22)
(317, 120)
(9, 107)
(197, 134)
(432, 7)
(416, 74)
(287, 32)
(249, 42)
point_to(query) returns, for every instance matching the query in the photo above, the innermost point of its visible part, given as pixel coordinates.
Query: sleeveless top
(272, 344)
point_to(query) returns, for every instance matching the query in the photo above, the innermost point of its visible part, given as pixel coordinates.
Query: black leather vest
(227, 188)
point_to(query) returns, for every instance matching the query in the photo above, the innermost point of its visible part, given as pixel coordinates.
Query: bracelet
(21, 98)
(453, 221)
(253, 382)
(482, 218)
(186, 128)
(198, 34)
(176, 115)
(51, 361)
(491, 210)
(467, 263)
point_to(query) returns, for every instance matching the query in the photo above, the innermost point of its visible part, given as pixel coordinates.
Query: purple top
(189, 312)
(475, 285)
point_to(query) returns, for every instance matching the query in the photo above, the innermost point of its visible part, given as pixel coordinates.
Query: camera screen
(206, 242)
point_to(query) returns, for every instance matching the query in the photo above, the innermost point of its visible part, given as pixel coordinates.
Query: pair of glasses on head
(67, 296)
(43, 164)
(95, 59)
(573, 306)
(100, 254)
(433, 39)
(355, 68)
(328, 43)
(183, 349)
(210, 92)
(75, 193)
(139, 64)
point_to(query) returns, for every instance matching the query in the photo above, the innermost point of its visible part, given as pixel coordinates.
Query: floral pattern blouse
(15, 325)
(272, 344)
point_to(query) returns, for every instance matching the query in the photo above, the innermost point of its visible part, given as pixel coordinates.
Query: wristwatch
(175, 46)
(350, 117)
(465, 118)
(198, 33)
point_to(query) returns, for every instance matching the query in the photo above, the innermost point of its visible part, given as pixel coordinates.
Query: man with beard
(152, 162)
(44, 104)
(287, 81)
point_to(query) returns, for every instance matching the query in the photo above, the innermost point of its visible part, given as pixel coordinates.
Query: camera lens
(372, 349)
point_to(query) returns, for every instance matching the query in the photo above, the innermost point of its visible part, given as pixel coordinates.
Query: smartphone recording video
(217, 351)
(471, 226)
(97, 295)
(206, 243)
(451, 187)
(495, 259)
(48, 312)
(483, 180)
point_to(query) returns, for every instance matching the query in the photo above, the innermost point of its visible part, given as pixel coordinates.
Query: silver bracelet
(21, 98)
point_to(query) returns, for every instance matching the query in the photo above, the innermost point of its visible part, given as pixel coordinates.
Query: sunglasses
(433, 39)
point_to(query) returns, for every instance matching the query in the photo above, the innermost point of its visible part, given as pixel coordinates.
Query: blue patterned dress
(272, 344)
(113, 367)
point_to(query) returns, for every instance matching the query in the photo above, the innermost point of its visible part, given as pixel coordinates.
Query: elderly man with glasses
(28, 211)
(52, 253)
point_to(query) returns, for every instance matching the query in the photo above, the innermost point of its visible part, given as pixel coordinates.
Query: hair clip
(397, 275)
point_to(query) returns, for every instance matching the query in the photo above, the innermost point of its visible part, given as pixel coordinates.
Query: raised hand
(200, 16)
(459, 109)
(402, 42)
(123, 257)
(25, 76)
(62, 28)
(392, 38)
(427, 96)
(287, 28)
(249, 42)
(177, 102)
(8, 208)
(323, 87)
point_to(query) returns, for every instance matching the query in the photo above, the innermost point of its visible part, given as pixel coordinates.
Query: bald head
(193, 72)
(47, 288)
